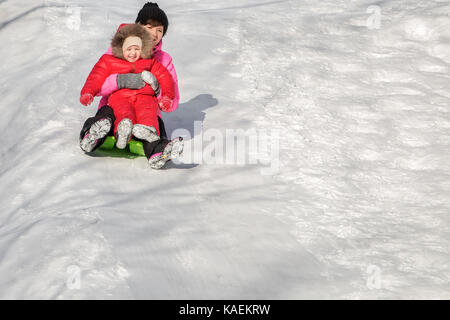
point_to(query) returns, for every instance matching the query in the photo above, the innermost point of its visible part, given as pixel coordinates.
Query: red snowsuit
(140, 106)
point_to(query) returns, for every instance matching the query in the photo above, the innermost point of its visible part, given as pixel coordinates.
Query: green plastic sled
(133, 150)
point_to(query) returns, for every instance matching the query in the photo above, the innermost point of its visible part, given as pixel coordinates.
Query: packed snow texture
(358, 92)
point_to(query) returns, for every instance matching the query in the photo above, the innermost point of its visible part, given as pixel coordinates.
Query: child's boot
(144, 132)
(97, 131)
(123, 133)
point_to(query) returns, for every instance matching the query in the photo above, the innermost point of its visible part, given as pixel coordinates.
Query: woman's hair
(153, 15)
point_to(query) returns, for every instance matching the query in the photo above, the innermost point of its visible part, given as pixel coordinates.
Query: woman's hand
(86, 99)
(148, 77)
(130, 81)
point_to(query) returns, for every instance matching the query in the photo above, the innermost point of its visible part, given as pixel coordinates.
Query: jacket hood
(132, 30)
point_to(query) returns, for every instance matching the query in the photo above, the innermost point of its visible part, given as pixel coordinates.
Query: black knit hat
(150, 10)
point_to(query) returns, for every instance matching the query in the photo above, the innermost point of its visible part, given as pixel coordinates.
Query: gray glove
(148, 77)
(130, 81)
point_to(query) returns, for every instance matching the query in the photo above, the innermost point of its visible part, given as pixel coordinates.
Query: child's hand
(86, 99)
(165, 103)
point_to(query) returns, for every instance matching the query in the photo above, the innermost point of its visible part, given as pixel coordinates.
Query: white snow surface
(359, 208)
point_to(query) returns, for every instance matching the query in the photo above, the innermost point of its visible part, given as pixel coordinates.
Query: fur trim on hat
(132, 30)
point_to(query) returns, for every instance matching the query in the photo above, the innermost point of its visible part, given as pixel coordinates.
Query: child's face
(132, 53)
(155, 32)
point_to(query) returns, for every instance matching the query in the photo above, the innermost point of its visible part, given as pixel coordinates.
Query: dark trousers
(150, 148)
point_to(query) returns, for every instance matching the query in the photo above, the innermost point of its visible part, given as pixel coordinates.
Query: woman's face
(156, 33)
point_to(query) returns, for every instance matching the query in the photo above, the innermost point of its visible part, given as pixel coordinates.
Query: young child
(136, 111)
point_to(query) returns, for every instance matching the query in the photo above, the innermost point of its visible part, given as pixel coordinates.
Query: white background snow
(359, 207)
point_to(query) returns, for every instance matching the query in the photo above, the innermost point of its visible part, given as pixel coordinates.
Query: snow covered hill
(350, 200)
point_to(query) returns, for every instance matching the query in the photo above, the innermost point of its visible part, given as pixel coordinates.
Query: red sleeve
(165, 80)
(97, 77)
